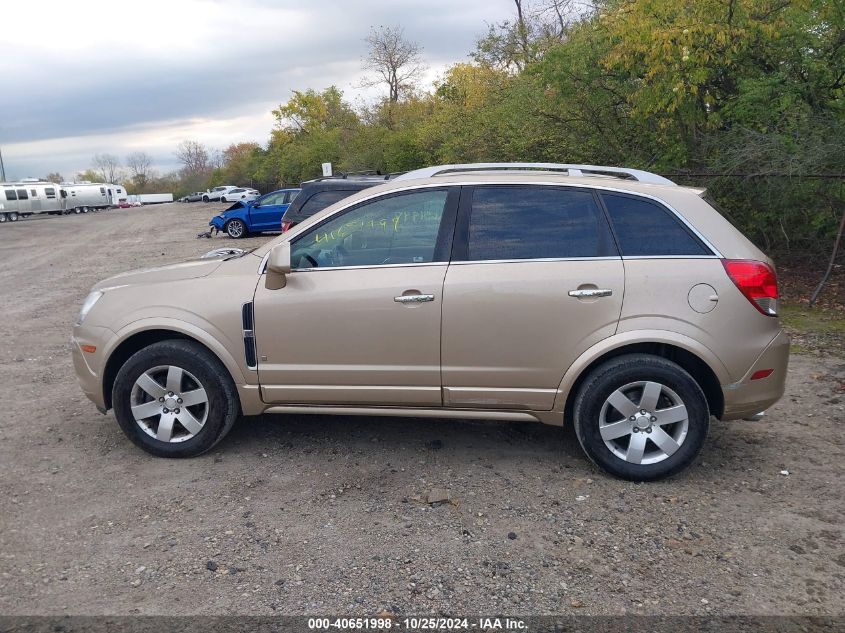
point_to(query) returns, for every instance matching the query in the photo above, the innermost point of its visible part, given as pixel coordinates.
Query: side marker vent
(249, 335)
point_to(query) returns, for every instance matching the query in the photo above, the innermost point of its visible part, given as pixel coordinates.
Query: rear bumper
(747, 397)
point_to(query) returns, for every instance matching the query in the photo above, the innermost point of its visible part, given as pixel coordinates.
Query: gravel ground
(320, 515)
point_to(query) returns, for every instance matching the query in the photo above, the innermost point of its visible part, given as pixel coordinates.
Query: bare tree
(217, 160)
(194, 157)
(107, 166)
(54, 176)
(393, 60)
(140, 168)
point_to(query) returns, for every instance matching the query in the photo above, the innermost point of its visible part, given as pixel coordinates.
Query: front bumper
(89, 366)
(217, 222)
(747, 397)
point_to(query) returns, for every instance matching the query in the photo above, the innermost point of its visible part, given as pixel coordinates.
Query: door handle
(413, 298)
(591, 292)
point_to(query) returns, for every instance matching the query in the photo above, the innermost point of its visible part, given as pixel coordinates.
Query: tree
(53, 177)
(107, 166)
(140, 168)
(394, 60)
(194, 157)
(89, 175)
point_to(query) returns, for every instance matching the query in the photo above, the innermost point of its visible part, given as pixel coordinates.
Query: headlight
(90, 300)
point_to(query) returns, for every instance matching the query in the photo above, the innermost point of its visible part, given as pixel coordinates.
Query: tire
(609, 438)
(223, 200)
(13, 216)
(209, 420)
(85, 209)
(2, 217)
(235, 229)
(205, 198)
(77, 210)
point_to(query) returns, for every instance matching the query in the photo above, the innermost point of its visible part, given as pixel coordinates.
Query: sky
(115, 76)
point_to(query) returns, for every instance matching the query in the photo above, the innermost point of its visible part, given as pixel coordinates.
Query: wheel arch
(699, 362)
(140, 339)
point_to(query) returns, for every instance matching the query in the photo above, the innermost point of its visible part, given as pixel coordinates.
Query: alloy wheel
(169, 403)
(643, 422)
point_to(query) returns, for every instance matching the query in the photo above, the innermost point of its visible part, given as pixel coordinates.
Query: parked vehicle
(153, 198)
(608, 298)
(192, 197)
(22, 199)
(240, 193)
(82, 197)
(254, 216)
(318, 194)
(214, 194)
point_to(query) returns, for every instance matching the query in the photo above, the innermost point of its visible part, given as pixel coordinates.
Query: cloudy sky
(116, 76)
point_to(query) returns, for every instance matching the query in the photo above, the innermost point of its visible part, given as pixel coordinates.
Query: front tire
(205, 198)
(235, 229)
(641, 417)
(174, 399)
(223, 200)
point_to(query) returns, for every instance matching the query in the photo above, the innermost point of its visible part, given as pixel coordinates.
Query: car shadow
(396, 435)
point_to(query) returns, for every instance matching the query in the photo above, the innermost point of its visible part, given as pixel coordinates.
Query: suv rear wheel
(641, 417)
(174, 399)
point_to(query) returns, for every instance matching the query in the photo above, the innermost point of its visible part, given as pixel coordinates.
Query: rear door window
(534, 222)
(646, 228)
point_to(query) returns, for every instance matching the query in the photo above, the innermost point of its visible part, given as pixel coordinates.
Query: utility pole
(2, 168)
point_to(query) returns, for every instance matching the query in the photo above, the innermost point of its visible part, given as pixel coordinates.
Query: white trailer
(154, 198)
(81, 197)
(24, 198)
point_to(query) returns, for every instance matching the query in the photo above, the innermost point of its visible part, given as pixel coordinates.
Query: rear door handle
(413, 298)
(591, 292)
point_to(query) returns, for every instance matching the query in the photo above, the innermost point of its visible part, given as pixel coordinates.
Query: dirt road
(318, 515)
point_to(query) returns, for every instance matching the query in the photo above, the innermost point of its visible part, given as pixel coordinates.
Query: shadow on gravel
(392, 434)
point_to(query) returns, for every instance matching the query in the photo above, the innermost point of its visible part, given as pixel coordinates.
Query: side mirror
(279, 260)
(278, 267)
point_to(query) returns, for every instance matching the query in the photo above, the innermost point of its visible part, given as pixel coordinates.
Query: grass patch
(812, 320)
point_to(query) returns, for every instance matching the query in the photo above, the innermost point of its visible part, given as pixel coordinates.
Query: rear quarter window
(645, 228)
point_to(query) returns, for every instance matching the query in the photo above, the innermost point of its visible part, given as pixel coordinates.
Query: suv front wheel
(174, 399)
(641, 417)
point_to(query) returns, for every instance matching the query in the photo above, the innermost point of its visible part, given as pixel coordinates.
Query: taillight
(286, 225)
(757, 281)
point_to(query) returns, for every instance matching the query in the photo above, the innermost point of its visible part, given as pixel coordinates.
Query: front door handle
(413, 298)
(591, 292)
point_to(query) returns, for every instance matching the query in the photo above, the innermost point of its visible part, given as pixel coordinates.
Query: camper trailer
(24, 198)
(81, 197)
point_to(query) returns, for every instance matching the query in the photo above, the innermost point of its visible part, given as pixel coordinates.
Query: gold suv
(609, 297)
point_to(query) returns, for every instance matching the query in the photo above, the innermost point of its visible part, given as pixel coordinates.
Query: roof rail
(572, 170)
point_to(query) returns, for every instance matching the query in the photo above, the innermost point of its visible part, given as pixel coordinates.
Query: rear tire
(631, 444)
(13, 216)
(186, 369)
(2, 217)
(223, 200)
(205, 198)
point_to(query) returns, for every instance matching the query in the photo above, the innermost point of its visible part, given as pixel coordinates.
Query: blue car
(255, 216)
